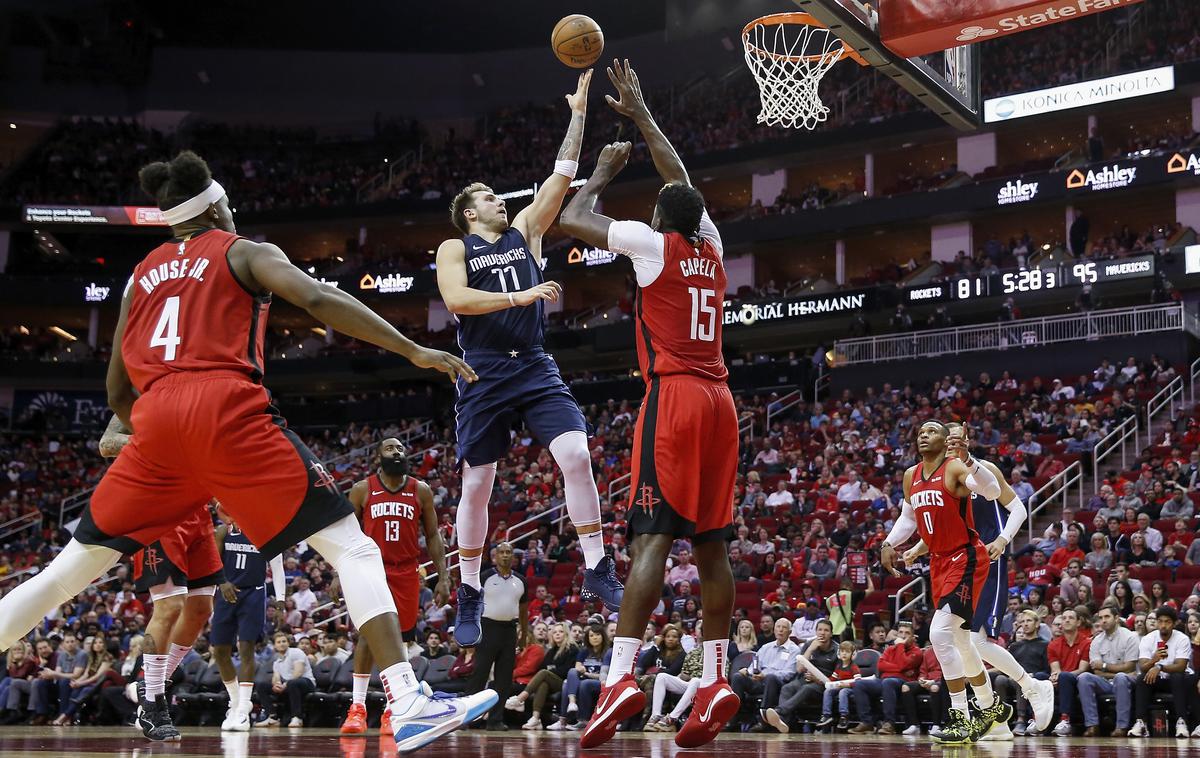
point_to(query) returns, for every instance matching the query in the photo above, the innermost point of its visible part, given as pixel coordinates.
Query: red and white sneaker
(616, 703)
(712, 709)
(356, 720)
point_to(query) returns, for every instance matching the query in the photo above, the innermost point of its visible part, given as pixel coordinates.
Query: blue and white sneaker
(602, 583)
(468, 625)
(421, 716)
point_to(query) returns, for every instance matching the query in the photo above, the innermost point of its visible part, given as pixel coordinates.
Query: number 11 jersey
(189, 313)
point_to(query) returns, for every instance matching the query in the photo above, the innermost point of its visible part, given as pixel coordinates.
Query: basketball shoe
(420, 716)
(714, 706)
(601, 584)
(356, 719)
(617, 702)
(468, 625)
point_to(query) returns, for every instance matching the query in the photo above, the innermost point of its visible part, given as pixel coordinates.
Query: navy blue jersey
(507, 265)
(245, 567)
(990, 517)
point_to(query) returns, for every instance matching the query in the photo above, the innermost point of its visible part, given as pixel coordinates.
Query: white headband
(194, 206)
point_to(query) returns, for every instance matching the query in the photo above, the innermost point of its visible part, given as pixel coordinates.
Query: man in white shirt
(1113, 658)
(850, 491)
(1062, 391)
(1154, 538)
(781, 497)
(303, 596)
(1164, 663)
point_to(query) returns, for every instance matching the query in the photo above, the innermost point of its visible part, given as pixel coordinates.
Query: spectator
(781, 497)
(805, 628)
(1022, 488)
(1178, 506)
(459, 675)
(1073, 581)
(1139, 554)
(582, 685)
(929, 680)
(99, 663)
(822, 566)
(434, 647)
(682, 679)
(304, 598)
(561, 654)
(1099, 558)
(291, 682)
(1068, 656)
(684, 570)
(21, 670)
(1068, 552)
(742, 571)
(1030, 650)
(774, 665)
(900, 663)
(744, 640)
(807, 688)
(839, 687)
(1164, 660)
(1113, 662)
(850, 491)
(1028, 446)
(663, 657)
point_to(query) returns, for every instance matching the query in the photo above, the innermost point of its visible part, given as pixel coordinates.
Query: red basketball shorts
(958, 577)
(200, 435)
(187, 555)
(685, 450)
(405, 584)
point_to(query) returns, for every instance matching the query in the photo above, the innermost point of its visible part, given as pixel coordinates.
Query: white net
(788, 60)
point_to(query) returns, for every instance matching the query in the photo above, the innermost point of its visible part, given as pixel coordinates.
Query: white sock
(714, 661)
(174, 657)
(155, 669)
(983, 693)
(624, 655)
(592, 545)
(246, 701)
(359, 695)
(958, 701)
(469, 569)
(232, 688)
(398, 679)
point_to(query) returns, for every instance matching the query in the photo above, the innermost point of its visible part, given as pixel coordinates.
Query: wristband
(512, 303)
(566, 168)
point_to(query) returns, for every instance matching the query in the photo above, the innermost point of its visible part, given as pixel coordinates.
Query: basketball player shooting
(188, 385)
(491, 280)
(686, 438)
(937, 494)
(997, 523)
(390, 505)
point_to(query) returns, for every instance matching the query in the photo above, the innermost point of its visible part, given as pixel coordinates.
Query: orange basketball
(577, 41)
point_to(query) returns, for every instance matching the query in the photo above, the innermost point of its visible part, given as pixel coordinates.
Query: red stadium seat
(1150, 573)
(1190, 573)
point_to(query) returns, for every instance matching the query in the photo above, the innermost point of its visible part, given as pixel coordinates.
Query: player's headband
(194, 206)
(940, 426)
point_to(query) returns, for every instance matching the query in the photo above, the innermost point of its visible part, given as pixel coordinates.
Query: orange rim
(779, 19)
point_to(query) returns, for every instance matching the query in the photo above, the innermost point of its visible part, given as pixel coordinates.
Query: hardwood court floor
(83, 742)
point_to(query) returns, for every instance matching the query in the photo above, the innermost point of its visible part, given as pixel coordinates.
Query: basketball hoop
(788, 54)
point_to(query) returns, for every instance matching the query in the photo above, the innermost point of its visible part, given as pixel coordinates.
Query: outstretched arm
(632, 104)
(537, 218)
(580, 219)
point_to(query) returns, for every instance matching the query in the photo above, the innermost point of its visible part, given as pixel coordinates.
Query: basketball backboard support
(947, 82)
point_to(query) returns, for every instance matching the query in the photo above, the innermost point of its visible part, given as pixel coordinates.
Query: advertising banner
(90, 215)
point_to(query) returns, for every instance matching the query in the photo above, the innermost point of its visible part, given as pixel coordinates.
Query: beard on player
(477, 206)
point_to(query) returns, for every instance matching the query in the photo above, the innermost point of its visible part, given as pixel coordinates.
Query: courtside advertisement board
(91, 215)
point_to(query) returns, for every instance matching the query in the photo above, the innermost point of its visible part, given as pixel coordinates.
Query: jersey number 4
(704, 314)
(166, 332)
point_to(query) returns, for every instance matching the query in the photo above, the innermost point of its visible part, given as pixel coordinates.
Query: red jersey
(679, 314)
(189, 313)
(391, 519)
(945, 521)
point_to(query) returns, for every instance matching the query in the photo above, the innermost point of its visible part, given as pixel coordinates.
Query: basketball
(577, 40)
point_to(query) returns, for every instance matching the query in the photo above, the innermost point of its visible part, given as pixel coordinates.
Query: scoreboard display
(1029, 281)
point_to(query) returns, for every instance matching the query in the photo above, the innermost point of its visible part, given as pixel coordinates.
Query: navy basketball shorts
(526, 387)
(245, 620)
(993, 599)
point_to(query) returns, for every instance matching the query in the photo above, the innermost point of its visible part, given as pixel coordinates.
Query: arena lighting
(319, 331)
(11, 125)
(63, 333)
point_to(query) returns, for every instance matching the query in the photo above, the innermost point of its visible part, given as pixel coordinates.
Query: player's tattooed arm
(116, 436)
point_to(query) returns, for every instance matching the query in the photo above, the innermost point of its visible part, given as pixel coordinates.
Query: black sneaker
(601, 583)
(154, 717)
(843, 723)
(1000, 712)
(958, 730)
(825, 721)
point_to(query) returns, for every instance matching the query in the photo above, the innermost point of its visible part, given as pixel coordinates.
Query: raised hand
(445, 362)
(629, 91)
(578, 100)
(613, 157)
(546, 291)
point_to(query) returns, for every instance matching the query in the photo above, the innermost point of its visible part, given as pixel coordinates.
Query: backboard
(946, 81)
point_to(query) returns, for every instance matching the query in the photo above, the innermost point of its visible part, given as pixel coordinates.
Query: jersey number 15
(704, 314)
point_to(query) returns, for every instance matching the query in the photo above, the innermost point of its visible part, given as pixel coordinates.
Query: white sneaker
(1181, 729)
(775, 720)
(1031, 729)
(912, 731)
(514, 703)
(935, 731)
(420, 717)
(1062, 728)
(1041, 699)
(998, 732)
(534, 724)
(1196, 732)
(572, 708)
(1139, 729)
(296, 723)
(557, 726)
(235, 721)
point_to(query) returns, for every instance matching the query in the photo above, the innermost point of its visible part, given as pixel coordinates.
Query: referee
(505, 626)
